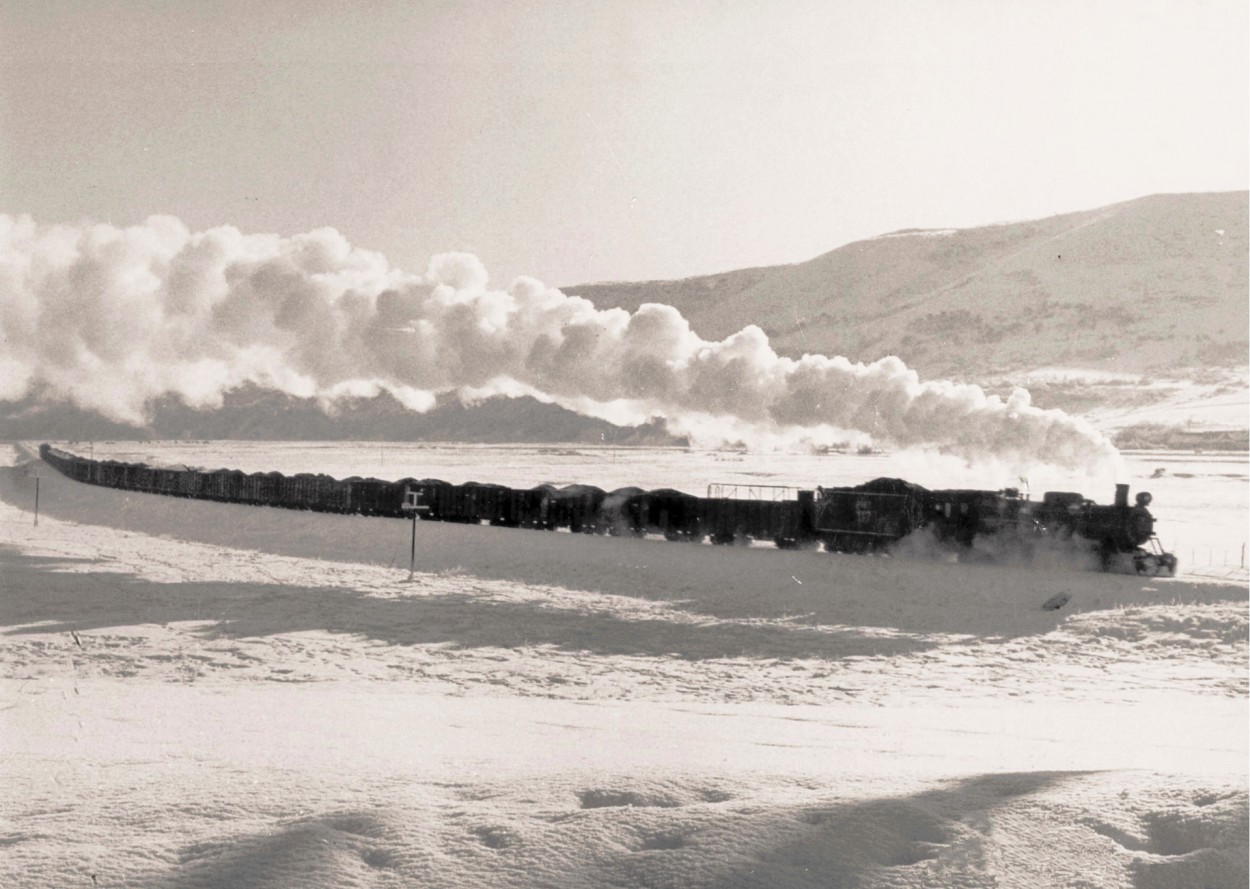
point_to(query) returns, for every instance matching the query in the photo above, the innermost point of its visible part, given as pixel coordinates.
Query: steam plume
(111, 318)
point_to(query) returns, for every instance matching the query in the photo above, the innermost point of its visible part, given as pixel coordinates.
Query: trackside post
(414, 504)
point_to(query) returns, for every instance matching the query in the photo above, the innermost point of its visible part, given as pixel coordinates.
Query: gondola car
(870, 517)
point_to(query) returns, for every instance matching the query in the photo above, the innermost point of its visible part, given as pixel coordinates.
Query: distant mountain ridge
(1145, 286)
(253, 414)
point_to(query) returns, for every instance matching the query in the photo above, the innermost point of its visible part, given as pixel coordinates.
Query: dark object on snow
(1057, 601)
(871, 517)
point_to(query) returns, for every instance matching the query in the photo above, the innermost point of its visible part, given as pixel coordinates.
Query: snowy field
(209, 695)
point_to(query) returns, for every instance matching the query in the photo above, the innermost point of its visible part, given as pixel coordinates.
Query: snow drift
(110, 318)
(204, 695)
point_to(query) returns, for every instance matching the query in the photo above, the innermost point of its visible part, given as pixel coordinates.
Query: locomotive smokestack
(1121, 496)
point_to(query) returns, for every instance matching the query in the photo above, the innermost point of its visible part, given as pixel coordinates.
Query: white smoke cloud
(111, 318)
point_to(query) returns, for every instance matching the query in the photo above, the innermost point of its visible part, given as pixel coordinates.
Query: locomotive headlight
(1144, 498)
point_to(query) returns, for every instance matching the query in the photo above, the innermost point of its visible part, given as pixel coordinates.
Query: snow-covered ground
(1197, 399)
(206, 695)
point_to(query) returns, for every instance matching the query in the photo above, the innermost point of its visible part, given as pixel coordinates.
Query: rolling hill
(1155, 286)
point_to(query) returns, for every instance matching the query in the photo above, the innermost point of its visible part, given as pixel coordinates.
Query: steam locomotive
(870, 517)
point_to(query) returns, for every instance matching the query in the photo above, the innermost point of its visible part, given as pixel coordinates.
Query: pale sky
(615, 139)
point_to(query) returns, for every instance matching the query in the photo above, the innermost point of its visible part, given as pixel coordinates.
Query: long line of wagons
(864, 518)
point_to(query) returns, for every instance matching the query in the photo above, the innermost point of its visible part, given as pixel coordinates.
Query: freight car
(870, 517)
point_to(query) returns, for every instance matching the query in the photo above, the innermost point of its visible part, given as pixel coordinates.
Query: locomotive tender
(865, 518)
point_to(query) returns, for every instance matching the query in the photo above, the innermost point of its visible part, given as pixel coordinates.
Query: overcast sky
(615, 139)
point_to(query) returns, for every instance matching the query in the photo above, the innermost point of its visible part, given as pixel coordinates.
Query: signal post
(413, 504)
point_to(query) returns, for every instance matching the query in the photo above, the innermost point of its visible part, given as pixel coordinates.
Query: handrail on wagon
(822, 493)
(851, 532)
(728, 491)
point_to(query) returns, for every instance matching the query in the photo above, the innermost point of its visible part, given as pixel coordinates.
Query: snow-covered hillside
(205, 695)
(1100, 289)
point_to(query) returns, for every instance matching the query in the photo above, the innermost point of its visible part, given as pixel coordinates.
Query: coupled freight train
(864, 518)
